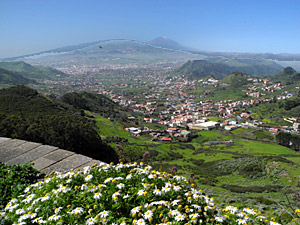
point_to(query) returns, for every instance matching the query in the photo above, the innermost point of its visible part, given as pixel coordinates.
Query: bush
(121, 194)
(14, 179)
(255, 189)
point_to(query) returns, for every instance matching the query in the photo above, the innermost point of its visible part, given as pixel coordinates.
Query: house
(185, 133)
(132, 129)
(202, 120)
(274, 130)
(204, 126)
(296, 126)
(166, 139)
(230, 127)
(148, 120)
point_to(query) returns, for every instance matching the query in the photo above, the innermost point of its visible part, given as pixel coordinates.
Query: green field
(246, 172)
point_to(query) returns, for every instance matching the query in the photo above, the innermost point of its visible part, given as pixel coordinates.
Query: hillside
(34, 72)
(254, 67)
(13, 78)
(219, 68)
(197, 69)
(288, 76)
(235, 79)
(94, 103)
(25, 114)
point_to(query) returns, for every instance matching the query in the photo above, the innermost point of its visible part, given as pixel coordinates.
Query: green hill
(218, 68)
(29, 71)
(287, 76)
(253, 67)
(9, 77)
(96, 103)
(235, 79)
(25, 114)
(197, 69)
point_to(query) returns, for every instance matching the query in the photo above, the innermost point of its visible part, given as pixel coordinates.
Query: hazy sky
(29, 26)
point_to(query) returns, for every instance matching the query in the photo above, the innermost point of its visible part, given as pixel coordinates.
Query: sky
(30, 26)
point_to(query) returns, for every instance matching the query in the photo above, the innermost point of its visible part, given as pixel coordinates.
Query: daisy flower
(148, 214)
(88, 177)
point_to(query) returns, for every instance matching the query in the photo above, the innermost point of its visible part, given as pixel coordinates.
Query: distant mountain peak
(164, 37)
(165, 42)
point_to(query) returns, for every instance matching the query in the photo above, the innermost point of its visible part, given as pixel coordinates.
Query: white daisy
(148, 214)
(88, 177)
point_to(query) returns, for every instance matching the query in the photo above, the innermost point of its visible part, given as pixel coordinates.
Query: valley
(225, 131)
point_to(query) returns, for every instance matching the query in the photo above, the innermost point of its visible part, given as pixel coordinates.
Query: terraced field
(248, 172)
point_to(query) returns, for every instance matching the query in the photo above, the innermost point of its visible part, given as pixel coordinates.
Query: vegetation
(27, 115)
(288, 140)
(235, 80)
(198, 69)
(33, 72)
(95, 103)
(287, 76)
(254, 67)
(237, 173)
(121, 194)
(14, 180)
(13, 78)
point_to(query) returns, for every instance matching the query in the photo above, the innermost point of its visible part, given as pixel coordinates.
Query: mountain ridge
(170, 44)
(202, 68)
(30, 71)
(167, 43)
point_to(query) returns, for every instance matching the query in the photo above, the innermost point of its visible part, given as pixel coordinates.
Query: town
(174, 101)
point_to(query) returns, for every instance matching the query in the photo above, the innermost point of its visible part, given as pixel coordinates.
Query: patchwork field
(246, 172)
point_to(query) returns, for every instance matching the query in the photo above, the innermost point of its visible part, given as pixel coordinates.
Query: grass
(256, 147)
(294, 159)
(213, 156)
(203, 160)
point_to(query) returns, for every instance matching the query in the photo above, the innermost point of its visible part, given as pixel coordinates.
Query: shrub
(255, 189)
(121, 194)
(14, 179)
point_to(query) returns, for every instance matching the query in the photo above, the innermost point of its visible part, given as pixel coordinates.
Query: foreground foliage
(120, 194)
(14, 179)
(27, 115)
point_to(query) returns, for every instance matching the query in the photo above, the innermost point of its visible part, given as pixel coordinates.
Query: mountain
(129, 53)
(29, 71)
(219, 68)
(197, 69)
(27, 115)
(254, 67)
(164, 42)
(269, 56)
(10, 77)
(288, 75)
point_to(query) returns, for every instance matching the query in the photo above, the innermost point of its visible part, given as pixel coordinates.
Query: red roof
(166, 139)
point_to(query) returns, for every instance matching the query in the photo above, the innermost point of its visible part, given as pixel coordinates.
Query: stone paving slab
(44, 157)
(51, 158)
(58, 155)
(12, 143)
(9, 154)
(3, 139)
(42, 163)
(32, 155)
(67, 164)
